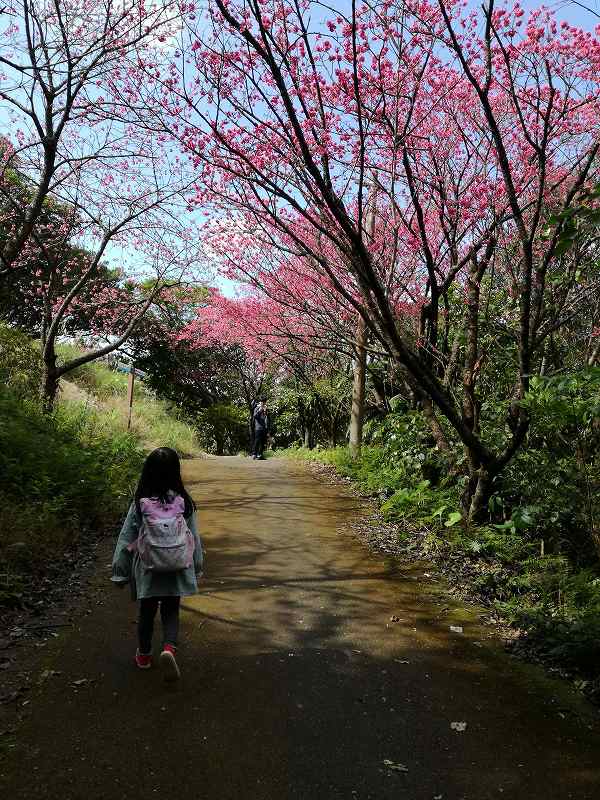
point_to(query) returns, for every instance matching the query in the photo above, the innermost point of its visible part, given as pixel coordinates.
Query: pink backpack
(165, 543)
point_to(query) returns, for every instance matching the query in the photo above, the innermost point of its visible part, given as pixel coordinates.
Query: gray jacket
(128, 568)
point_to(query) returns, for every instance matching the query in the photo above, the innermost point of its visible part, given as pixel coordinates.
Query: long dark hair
(161, 474)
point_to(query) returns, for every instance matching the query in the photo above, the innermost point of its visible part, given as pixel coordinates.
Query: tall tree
(58, 62)
(476, 125)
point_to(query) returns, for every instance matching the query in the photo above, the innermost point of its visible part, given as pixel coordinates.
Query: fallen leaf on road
(458, 726)
(401, 661)
(81, 682)
(392, 765)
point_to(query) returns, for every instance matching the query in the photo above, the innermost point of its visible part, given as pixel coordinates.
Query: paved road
(296, 683)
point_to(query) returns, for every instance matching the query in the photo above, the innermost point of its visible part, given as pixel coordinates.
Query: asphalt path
(310, 669)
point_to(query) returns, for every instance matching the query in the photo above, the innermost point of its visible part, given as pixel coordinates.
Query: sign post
(130, 381)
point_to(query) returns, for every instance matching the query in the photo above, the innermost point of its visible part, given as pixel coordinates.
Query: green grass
(154, 422)
(95, 377)
(61, 477)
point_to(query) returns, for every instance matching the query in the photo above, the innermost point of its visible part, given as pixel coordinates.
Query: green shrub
(551, 488)
(503, 545)
(60, 475)
(223, 428)
(95, 377)
(20, 362)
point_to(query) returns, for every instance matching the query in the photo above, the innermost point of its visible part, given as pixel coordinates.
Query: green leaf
(396, 402)
(453, 518)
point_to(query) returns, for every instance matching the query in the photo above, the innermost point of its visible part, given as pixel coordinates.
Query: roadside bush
(552, 488)
(223, 428)
(407, 446)
(20, 362)
(60, 477)
(96, 377)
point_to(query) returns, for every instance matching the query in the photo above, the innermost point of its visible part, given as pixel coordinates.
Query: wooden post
(130, 382)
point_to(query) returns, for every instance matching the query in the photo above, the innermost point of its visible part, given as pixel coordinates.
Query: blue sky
(586, 14)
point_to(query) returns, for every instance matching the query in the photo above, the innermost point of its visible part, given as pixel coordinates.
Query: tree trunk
(304, 423)
(50, 381)
(434, 426)
(593, 357)
(358, 390)
(476, 494)
(360, 364)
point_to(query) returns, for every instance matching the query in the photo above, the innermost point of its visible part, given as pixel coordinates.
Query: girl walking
(159, 553)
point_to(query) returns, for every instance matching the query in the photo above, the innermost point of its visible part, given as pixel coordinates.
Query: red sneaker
(143, 661)
(168, 663)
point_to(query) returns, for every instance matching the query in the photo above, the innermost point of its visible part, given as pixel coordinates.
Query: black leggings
(169, 614)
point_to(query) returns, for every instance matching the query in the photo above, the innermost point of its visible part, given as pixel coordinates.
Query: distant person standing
(261, 428)
(253, 407)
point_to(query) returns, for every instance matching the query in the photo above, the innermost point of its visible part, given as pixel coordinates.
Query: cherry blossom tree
(114, 301)
(476, 125)
(124, 237)
(285, 351)
(58, 61)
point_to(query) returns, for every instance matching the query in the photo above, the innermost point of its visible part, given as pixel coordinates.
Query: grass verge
(62, 476)
(153, 422)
